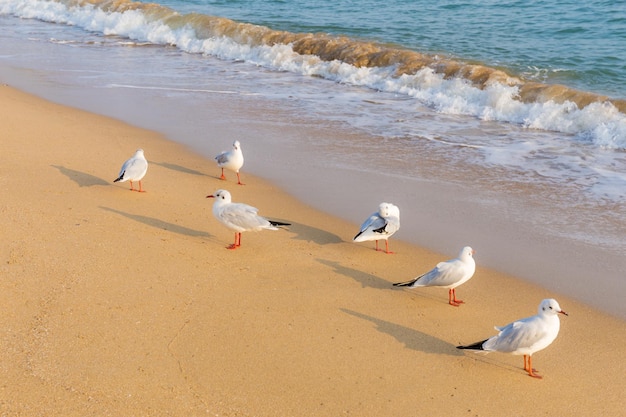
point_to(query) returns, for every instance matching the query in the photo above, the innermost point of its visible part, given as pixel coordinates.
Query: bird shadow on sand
(313, 234)
(179, 168)
(437, 295)
(411, 338)
(81, 178)
(498, 361)
(363, 278)
(159, 224)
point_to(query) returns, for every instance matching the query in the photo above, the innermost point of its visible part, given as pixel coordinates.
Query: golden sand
(116, 303)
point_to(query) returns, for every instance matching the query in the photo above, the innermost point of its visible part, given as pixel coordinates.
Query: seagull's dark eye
(550, 307)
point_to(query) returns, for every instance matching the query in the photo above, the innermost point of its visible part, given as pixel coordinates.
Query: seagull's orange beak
(210, 196)
(563, 312)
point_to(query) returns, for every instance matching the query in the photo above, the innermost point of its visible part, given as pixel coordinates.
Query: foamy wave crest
(448, 86)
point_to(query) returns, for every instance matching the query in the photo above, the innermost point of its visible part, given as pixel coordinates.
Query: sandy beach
(116, 303)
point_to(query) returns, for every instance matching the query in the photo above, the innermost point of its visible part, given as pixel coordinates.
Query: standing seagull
(449, 274)
(380, 225)
(525, 336)
(239, 217)
(232, 160)
(133, 169)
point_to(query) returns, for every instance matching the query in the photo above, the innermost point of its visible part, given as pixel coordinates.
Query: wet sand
(119, 303)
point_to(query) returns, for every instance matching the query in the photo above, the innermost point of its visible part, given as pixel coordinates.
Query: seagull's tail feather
(410, 283)
(357, 235)
(405, 284)
(474, 346)
(120, 177)
(275, 223)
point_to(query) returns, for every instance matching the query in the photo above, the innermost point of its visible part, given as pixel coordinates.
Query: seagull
(449, 274)
(239, 217)
(232, 160)
(525, 336)
(380, 225)
(133, 169)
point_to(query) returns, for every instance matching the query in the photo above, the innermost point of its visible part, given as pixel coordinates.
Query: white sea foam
(599, 124)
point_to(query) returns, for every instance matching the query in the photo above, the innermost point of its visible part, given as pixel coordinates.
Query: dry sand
(116, 303)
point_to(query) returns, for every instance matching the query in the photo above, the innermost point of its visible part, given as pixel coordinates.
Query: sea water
(511, 114)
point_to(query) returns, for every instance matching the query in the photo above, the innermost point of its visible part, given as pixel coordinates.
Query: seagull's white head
(466, 253)
(387, 209)
(550, 307)
(221, 195)
(139, 152)
(236, 145)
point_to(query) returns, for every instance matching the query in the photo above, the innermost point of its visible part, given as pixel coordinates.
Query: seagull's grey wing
(223, 157)
(444, 274)
(124, 168)
(136, 168)
(517, 335)
(244, 216)
(373, 222)
(371, 229)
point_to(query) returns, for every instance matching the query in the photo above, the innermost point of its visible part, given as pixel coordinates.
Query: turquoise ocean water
(522, 94)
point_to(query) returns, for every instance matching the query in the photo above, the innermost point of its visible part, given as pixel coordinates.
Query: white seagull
(525, 336)
(449, 274)
(133, 169)
(232, 160)
(239, 217)
(380, 225)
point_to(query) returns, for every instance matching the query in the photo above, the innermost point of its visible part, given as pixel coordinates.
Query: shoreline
(122, 303)
(507, 237)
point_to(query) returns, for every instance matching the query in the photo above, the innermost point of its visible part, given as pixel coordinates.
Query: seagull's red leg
(239, 180)
(131, 186)
(223, 177)
(452, 298)
(376, 246)
(140, 190)
(387, 246)
(237, 241)
(529, 367)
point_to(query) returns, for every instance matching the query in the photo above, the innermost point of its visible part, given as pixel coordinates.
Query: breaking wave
(448, 86)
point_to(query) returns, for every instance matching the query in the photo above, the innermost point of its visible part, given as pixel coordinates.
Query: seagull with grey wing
(231, 160)
(240, 217)
(449, 274)
(134, 169)
(380, 225)
(525, 336)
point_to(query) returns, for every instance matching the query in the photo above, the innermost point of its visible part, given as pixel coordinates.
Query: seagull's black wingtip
(474, 346)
